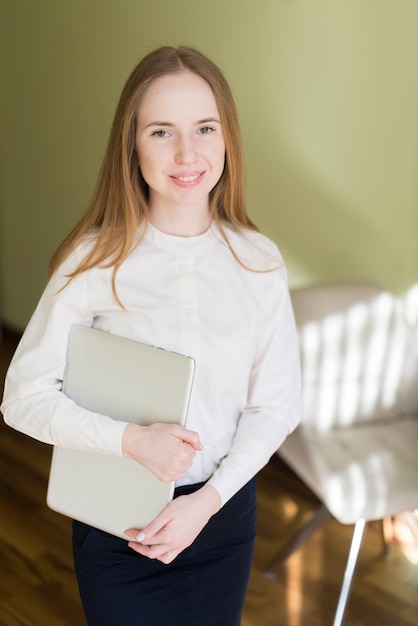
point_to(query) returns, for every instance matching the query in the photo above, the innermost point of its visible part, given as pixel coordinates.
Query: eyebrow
(208, 120)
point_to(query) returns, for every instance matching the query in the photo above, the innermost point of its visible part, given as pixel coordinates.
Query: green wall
(328, 96)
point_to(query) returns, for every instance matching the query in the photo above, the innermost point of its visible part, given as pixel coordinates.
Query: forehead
(184, 92)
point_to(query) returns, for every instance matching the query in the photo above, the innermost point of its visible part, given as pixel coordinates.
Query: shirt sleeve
(274, 396)
(33, 402)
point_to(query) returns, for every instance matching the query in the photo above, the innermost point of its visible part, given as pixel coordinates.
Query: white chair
(357, 445)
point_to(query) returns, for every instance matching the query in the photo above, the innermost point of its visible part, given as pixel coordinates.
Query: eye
(206, 130)
(160, 133)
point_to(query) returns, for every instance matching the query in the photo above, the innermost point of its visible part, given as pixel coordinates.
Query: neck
(183, 223)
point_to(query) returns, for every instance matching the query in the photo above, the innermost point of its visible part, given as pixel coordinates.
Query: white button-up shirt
(192, 296)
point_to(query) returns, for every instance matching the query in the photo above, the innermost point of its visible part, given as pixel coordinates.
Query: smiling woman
(167, 255)
(181, 159)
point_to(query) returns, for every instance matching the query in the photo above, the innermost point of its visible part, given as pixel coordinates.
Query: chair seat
(366, 471)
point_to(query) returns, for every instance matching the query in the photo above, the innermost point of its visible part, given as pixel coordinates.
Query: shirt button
(184, 268)
(188, 316)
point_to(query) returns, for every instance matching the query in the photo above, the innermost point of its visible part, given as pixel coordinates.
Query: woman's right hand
(167, 450)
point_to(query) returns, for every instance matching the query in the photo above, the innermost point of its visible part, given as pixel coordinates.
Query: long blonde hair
(120, 201)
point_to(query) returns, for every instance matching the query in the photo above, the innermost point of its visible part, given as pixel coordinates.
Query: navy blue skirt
(204, 586)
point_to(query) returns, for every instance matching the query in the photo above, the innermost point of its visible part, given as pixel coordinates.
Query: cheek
(147, 163)
(153, 159)
(219, 160)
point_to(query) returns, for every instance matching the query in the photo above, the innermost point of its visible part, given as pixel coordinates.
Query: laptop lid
(130, 381)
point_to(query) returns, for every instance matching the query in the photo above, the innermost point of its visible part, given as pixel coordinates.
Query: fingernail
(140, 536)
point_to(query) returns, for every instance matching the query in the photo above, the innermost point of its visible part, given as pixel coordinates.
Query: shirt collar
(175, 242)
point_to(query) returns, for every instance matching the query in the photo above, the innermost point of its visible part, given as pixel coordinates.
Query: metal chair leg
(318, 518)
(387, 534)
(356, 542)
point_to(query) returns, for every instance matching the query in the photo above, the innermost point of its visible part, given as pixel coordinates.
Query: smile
(186, 179)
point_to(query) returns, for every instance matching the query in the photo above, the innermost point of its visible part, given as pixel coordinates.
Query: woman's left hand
(177, 526)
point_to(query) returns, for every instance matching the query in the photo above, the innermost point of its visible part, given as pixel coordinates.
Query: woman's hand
(167, 450)
(177, 526)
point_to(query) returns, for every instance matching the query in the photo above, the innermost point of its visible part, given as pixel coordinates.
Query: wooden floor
(38, 588)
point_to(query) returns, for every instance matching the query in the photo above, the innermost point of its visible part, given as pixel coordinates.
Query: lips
(187, 178)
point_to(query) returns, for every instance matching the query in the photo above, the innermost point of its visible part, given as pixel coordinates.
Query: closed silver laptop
(125, 380)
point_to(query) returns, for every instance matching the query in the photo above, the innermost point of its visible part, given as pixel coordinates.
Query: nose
(185, 151)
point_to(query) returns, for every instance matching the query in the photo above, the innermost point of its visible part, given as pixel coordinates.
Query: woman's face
(179, 142)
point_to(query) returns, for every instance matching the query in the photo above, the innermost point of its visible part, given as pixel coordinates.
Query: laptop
(127, 380)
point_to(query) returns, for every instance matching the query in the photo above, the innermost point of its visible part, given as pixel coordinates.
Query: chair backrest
(359, 356)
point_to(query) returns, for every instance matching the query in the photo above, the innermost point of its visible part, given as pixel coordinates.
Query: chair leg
(318, 518)
(356, 542)
(387, 534)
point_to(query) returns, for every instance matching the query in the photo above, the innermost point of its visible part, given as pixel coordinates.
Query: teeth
(188, 179)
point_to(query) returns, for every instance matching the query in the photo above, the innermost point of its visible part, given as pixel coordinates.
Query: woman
(167, 254)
